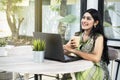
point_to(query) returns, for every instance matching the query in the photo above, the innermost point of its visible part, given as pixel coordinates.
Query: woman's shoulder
(98, 35)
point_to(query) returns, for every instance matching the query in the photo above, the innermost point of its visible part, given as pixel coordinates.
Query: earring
(94, 26)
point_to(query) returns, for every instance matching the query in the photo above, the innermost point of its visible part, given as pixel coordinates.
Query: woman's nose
(84, 20)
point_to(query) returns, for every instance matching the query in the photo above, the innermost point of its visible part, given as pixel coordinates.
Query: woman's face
(87, 21)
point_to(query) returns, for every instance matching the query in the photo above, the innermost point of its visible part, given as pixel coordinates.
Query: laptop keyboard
(69, 57)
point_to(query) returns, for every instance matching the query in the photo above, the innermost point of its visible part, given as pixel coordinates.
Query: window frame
(111, 42)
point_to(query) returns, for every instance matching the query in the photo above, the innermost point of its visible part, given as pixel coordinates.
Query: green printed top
(99, 71)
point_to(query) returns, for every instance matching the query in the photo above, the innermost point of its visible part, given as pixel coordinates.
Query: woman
(92, 46)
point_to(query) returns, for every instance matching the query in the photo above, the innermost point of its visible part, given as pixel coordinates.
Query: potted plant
(38, 50)
(3, 43)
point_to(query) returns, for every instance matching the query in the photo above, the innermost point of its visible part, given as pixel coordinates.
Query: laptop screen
(54, 48)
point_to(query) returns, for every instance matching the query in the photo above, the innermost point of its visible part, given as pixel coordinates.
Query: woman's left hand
(74, 42)
(68, 49)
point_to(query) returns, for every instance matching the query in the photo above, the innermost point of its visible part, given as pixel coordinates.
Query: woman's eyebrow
(87, 16)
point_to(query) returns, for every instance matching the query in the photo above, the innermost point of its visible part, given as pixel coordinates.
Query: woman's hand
(71, 45)
(75, 42)
(68, 49)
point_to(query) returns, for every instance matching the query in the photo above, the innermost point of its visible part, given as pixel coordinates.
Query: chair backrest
(112, 53)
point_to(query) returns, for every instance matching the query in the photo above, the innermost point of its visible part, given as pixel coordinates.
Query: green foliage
(55, 8)
(13, 3)
(2, 42)
(11, 6)
(56, 5)
(106, 24)
(39, 45)
(68, 19)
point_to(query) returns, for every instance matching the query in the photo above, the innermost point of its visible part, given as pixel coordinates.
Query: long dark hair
(100, 30)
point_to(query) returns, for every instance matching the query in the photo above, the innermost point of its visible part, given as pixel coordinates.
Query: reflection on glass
(61, 17)
(111, 18)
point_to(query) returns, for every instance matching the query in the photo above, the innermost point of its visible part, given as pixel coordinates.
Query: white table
(20, 59)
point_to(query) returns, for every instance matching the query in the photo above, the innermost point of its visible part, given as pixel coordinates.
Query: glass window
(17, 20)
(61, 17)
(111, 18)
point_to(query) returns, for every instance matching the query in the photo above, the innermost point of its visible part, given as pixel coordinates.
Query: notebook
(54, 47)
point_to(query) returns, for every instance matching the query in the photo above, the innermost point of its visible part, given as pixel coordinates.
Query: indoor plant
(38, 50)
(3, 43)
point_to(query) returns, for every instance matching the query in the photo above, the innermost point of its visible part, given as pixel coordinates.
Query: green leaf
(38, 45)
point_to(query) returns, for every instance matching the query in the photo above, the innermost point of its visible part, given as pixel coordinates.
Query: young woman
(91, 45)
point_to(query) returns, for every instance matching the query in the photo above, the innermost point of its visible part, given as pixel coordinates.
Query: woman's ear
(96, 22)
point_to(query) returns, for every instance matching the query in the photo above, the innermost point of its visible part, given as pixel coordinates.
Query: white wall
(92, 4)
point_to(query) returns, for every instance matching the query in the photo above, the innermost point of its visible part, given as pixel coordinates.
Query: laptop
(54, 47)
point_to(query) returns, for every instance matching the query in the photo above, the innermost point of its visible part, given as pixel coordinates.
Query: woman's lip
(84, 23)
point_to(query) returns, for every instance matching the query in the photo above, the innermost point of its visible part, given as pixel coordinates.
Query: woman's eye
(88, 18)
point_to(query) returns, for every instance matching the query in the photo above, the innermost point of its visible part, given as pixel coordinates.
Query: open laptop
(54, 47)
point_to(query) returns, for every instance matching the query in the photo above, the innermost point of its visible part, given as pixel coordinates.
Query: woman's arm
(95, 56)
